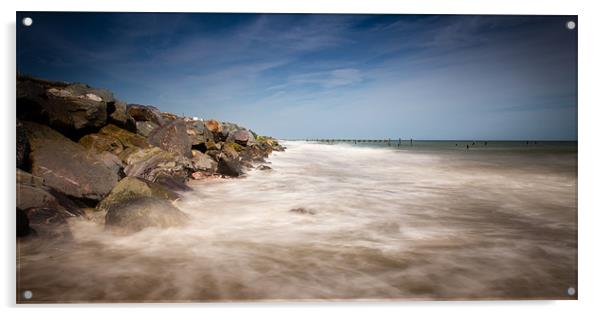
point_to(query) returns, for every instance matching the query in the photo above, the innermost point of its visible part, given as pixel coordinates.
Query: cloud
(328, 79)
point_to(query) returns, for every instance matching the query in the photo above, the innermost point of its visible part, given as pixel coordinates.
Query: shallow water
(430, 224)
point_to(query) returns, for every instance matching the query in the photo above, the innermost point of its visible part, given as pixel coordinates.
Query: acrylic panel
(210, 157)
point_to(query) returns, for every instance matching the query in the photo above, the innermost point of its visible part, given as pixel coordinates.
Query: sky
(299, 76)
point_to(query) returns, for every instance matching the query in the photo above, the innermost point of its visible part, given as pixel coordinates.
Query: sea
(342, 220)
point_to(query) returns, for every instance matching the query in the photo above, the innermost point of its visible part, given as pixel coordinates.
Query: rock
(73, 109)
(228, 129)
(200, 137)
(264, 167)
(152, 162)
(198, 175)
(127, 139)
(101, 143)
(131, 187)
(229, 166)
(112, 162)
(32, 192)
(255, 153)
(213, 126)
(302, 210)
(48, 223)
(22, 147)
(144, 128)
(175, 183)
(242, 137)
(172, 137)
(232, 149)
(136, 214)
(67, 166)
(203, 162)
(118, 115)
(23, 228)
(145, 113)
(169, 116)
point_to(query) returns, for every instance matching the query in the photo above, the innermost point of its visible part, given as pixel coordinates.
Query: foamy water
(385, 224)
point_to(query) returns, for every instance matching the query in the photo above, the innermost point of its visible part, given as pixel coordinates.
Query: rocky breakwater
(83, 154)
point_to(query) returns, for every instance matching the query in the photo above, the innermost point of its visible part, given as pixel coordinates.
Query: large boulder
(132, 187)
(22, 147)
(145, 113)
(136, 214)
(150, 163)
(144, 128)
(228, 161)
(32, 192)
(67, 166)
(172, 137)
(73, 109)
(118, 115)
(114, 140)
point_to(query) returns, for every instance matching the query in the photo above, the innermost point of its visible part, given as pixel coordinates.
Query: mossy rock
(100, 143)
(132, 187)
(238, 148)
(127, 139)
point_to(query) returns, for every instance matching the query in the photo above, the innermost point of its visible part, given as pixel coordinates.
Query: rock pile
(79, 147)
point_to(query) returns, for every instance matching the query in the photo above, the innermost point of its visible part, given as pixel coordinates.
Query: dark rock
(73, 109)
(229, 166)
(302, 210)
(118, 115)
(23, 228)
(131, 187)
(145, 113)
(67, 166)
(172, 137)
(144, 128)
(22, 148)
(136, 214)
(264, 167)
(32, 192)
(48, 223)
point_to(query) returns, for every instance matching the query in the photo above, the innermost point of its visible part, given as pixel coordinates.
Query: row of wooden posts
(355, 141)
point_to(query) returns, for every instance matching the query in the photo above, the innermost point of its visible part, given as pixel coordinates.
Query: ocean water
(428, 221)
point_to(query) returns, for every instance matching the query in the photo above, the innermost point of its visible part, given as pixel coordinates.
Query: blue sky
(335, 76)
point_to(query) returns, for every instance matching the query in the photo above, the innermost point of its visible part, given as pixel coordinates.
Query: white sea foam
(386, 224)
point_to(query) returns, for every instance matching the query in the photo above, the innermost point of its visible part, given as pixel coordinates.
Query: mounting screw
(27, 21)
